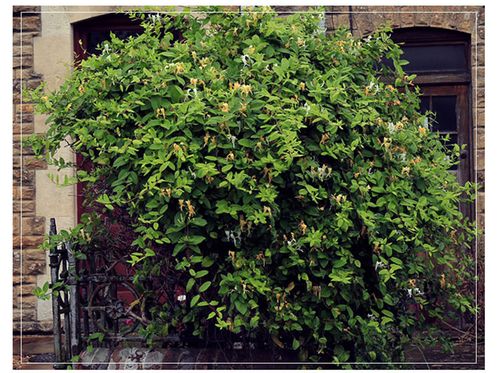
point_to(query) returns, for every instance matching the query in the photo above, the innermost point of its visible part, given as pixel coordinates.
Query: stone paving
(38, 354)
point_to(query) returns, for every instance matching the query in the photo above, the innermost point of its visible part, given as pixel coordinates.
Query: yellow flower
(405, 170)
(302, 86)
(176, 147)
(204, 62)
(234, 86)
(179, 68)
(190, 207)
(422, 131)
(243, 108)
(324, 138)
(224, 107)
(302, 227)
(442, 281)
(246, 89)
(160, 112)
(251, 49)
(230, 156)
(387, 142)
(193, 81)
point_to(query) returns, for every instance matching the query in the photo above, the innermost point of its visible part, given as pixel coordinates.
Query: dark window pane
(435, 58)
(424, 104)
(97, 37)
(446, 116)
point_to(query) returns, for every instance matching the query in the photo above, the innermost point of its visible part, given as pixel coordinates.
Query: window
(441, 60)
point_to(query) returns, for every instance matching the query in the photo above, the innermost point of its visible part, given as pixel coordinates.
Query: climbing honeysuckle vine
(284, 175)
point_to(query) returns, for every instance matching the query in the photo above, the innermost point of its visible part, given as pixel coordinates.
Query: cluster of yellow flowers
(340, 198)
(179, 68)
(190, 208)
(302, 227)
(160, 112)
(244, 88)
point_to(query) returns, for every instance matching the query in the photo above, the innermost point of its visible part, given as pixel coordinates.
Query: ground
(38, 354)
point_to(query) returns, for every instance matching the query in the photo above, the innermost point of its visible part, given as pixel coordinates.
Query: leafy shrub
(284, 175)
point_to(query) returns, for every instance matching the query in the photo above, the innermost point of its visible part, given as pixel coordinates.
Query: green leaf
(194, 300)
(295, 344)
(199, 222)
(190, 284)
(207, 261)
(201, 273)
(241, 306)
(205, 286)
(195, 240)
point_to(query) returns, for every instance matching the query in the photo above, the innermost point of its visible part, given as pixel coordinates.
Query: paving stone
(96, 359)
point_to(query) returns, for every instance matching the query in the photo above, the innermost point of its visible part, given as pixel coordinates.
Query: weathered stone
(33, 163)
(480, 138)
(438, 19)
(17, 9)
(25, 279)
(26, 38)
(25, 50)
(481, 202)
(18, 149)
(26, 301)
(153, 359)
(423, 19)
(33, 327)
(24, 61)
(26, 177)
(24, 192)
(480, 117)
(29, 242)
(27, 207)
(24, 290)
(478, 97)
(407, 16)
(27, 23)
(96, 359)
(33, 226)
(24, 108)
(25, 73)
(28, 314)
(480, 160)
(480, 77)
(25, 119)
(340, 20)
(33, 344)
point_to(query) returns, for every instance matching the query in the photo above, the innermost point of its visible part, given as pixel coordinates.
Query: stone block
(96, 359)
(27, 208)
(24, 192)
(27, 23)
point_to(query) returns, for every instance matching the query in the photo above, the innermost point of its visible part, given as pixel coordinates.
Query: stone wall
(28, 228)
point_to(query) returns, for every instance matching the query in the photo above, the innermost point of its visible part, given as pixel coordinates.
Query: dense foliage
(285, 175)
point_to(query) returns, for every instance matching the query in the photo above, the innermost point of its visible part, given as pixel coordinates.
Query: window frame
(428, 36)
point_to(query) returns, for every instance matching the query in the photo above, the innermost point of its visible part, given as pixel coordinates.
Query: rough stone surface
(28, 229)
